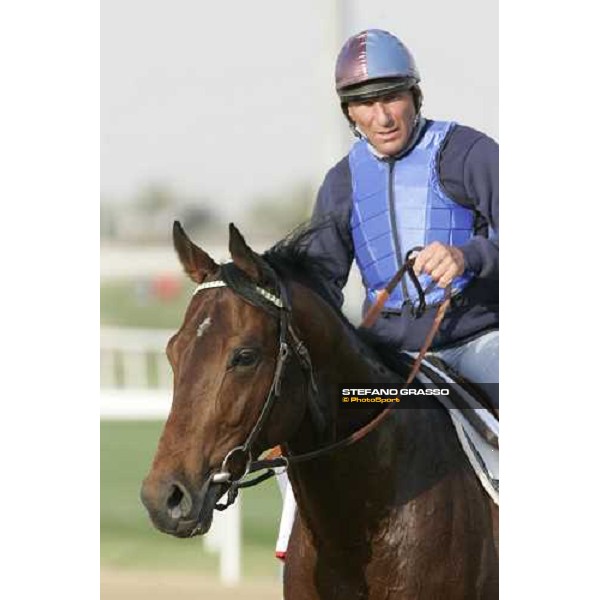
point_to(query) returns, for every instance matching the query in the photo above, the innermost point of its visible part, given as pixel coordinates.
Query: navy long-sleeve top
(468, 171)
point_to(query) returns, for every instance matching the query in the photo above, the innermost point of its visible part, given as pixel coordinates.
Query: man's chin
(389, 148)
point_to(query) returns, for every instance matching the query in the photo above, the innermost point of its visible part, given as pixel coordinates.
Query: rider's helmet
(372, 63)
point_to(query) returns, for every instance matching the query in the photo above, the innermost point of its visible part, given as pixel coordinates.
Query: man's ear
(417, 95)
(196, 263)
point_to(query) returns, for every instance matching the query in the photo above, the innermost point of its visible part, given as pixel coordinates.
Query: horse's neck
(403, 490)
(339, 357)
(360, 488)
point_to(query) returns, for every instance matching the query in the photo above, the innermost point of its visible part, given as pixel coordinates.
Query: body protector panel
(399, 205)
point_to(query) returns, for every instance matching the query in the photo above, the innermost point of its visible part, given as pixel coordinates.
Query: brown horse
(397, 515)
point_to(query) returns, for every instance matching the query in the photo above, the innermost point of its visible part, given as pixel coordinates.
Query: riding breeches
(477, 360)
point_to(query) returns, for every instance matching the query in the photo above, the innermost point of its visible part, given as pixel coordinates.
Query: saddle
(474, 418)
(475, 391)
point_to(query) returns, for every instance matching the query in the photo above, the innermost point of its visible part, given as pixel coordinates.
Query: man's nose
(383, 115)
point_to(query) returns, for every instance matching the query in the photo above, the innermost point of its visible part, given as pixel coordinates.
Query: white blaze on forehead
(203, 327)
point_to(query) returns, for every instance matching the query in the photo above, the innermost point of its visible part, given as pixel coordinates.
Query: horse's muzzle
(176, 509)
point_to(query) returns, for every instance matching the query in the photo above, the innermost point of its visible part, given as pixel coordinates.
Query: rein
(281, 307)
(283, 461)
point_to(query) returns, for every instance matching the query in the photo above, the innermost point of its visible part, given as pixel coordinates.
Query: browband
(272, 298)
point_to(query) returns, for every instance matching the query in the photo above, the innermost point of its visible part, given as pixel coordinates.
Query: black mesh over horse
(399, 514)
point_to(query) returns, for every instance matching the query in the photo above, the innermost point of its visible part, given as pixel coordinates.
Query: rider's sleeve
(469, 173)
(331, 242)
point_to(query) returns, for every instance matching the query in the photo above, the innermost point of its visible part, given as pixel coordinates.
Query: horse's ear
(196, 263)
(243, 256)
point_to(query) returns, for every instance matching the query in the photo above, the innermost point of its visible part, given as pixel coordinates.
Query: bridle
(280, 307)
(289, 341)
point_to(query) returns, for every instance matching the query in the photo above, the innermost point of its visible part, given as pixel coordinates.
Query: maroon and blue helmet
(373, 63)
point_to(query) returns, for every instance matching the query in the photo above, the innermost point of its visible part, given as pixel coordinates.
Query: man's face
(386, 121)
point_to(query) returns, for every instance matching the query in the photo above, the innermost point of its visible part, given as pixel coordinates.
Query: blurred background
(210, 113)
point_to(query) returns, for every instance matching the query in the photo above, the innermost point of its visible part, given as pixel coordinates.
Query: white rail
(136, 384)
(134, 358)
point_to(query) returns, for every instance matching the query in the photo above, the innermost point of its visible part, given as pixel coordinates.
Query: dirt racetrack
(158, 585)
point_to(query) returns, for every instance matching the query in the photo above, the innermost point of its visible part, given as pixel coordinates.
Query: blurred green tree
(155, 197)
(278, 215)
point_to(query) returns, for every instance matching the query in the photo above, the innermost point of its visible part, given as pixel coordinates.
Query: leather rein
(280, 307)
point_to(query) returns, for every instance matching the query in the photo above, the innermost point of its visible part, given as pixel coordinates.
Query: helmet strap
(351, 123)
(355, 131)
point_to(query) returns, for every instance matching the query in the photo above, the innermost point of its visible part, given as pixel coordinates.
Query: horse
(397, 515)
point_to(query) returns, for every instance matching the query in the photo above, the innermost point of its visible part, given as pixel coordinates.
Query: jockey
(410, 182)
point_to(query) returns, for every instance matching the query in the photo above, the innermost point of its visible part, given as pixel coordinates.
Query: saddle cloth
(477, 429)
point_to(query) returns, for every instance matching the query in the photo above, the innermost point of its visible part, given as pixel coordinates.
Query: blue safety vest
(399, 205)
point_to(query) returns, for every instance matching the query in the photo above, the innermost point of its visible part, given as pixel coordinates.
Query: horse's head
(225, 359)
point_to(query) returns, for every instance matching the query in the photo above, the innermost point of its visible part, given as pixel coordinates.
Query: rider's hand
(442, 262)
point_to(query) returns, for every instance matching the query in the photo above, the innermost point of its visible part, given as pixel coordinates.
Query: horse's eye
(244, 357)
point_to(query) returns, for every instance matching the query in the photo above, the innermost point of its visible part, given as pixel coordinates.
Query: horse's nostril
(179, 502)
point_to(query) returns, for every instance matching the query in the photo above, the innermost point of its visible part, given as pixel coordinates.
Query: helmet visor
(375, 88)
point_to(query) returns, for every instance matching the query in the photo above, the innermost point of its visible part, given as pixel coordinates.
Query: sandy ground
(153, 585)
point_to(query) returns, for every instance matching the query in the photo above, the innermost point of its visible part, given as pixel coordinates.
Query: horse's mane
(293, 257)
